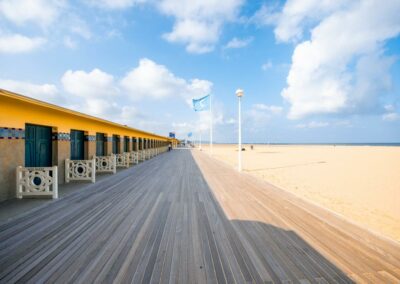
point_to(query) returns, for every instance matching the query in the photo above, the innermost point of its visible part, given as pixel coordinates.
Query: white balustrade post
(55, 183)
(67, 171)
(115, 164)
(19, 185)
(94, 170)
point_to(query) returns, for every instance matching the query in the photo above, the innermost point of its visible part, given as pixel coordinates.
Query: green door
(134, 144)
(115, 144)
(126, 144)
(38, 146)
(77, 145)
(100, 144)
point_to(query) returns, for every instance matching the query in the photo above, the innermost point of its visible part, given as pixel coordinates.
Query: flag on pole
(201, 104)
(204, 104)
(190, 134)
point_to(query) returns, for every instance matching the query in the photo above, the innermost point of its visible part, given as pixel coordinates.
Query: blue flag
(190, 134)
(201, 104)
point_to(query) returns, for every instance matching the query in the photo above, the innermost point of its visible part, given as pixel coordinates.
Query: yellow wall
(16, 110)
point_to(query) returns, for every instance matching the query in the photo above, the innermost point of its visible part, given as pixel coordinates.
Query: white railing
(148, 154)
(106, 164)
(122, 160)
(80, 170)
(36, 181)
(141, 155)
(134, 157)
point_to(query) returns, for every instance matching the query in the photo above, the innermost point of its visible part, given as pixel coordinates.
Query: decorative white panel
(80, 170)
(141, 155)
(37, 181)
(122, 160)
(134, 157)
(106, 164)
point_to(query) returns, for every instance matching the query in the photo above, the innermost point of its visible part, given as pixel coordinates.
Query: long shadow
(266, 253)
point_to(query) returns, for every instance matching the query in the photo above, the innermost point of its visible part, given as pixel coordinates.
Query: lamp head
(239, 93)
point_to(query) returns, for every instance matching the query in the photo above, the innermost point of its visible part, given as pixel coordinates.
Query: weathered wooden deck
(160, 222)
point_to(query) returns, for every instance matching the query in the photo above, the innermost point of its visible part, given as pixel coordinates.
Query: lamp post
(239, 94)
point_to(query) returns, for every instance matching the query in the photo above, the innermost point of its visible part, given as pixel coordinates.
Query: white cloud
(16, 43)
(70, 43)
(151, 80)
(79, 27)
(94, 84)
(268, 108)
(238, 43)
(313, 124)
(296, 14)
(230, 121)
(389, 108)
(198, 23)
(40, 12)
(321, 78)
(259, 115)
(266, 66)
(391, 116)
(114, 4)
(44, 92)
(102, 107)
(266, 15)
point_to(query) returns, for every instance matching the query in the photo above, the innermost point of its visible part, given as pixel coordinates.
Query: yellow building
(38, 134)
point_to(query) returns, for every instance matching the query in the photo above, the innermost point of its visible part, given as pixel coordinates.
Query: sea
(318, 144)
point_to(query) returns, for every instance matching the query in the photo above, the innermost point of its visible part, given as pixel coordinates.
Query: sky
(312, 71)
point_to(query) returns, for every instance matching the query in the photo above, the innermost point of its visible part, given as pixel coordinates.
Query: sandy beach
(361, 183)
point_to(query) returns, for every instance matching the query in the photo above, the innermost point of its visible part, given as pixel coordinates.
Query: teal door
(100, 144)
(38, 146)
(115, 144)
(126, 144)
(77, 145)
(134, 144)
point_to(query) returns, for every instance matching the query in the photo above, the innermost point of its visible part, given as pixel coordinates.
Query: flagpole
(211, 127)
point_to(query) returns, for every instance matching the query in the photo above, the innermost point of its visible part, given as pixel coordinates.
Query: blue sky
(312, 71)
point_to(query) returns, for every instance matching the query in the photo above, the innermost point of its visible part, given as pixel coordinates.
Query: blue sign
(172, 135)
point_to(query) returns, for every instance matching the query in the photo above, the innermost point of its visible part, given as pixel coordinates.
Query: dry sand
(361, 183)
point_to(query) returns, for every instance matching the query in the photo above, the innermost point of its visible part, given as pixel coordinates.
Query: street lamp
(239, 94)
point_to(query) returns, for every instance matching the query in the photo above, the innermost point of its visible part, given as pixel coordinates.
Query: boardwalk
(164, 222)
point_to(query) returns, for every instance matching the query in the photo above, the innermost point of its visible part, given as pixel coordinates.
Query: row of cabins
(38, 135)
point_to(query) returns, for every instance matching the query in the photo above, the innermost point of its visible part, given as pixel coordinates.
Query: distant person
(169, 147)
(251, 147)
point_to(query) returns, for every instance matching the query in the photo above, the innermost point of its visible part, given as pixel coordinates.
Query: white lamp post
(239, 94)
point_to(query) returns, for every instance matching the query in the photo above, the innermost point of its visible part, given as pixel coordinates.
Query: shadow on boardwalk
(157, 222)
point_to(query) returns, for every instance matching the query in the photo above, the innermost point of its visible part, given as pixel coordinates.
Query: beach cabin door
(134, 144)
(77, 145)
(126, 144)
(115, 144)
(100, 144)
(38, 146)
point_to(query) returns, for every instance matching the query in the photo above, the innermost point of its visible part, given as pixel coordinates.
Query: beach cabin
(36, 134)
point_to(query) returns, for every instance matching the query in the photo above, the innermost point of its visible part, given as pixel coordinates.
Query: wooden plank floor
(160, 222)
(307, 237)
